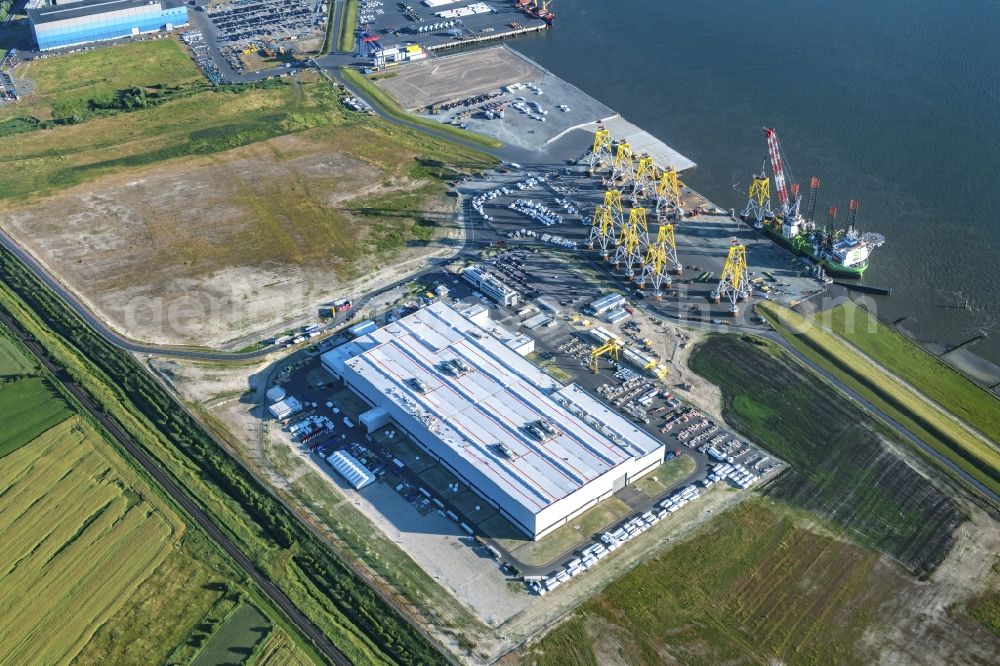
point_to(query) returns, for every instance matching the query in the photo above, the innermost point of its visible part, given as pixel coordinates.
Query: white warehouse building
(488, 283)
(538, 451)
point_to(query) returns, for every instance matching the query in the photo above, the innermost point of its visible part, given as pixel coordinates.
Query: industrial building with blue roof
(72, 23)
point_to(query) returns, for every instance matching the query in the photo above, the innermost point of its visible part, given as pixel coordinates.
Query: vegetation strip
(937, 430)
(365, 627)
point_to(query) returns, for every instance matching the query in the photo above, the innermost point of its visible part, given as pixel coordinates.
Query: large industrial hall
(539, 451)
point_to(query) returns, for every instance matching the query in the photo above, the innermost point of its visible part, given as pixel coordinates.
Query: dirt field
(242, 243)
(457, 77)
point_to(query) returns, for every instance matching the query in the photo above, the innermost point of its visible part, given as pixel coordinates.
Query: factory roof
(484, 402)
(52, 13)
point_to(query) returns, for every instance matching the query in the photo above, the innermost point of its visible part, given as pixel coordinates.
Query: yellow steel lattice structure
(632, 241)
(646, 175)
(600, 154)
(613, 202)
(660, 259)
(758, 206)
(612, 347)
(602, 231)
(668, 193)
(734, 283)
(624, 165)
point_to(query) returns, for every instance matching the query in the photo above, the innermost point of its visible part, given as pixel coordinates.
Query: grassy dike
(388, 106)
(355, 618)
(909, 361)
(939, 431)
(346, 40)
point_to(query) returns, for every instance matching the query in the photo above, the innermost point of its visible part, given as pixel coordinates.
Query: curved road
(276, 596)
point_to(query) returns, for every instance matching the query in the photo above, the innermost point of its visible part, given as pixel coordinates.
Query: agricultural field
(759, 584)
(977, 456)
(283, 201)
(906, 359)
(13, 360)
(65, 84)
(28, 407)
(80, 539)
(236, 639)
(281, 651)
(842, 466)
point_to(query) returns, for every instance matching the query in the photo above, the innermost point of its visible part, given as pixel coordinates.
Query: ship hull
(832, 268)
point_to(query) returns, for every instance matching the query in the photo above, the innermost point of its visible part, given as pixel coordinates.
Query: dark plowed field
(842, 468)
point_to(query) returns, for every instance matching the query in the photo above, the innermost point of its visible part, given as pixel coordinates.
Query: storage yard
(436, 27)
(703, 241)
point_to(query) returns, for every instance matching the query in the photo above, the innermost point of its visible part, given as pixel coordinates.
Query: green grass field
(582, 527)
(40, 162)
(79, 540)
(974, 456)
(666, 475)
(28, 407)
(388, 106)
(13, 360)
(346, 39)
(753, 586)
(842, 467)
(903, 357)
(66, 83)
(234, 641)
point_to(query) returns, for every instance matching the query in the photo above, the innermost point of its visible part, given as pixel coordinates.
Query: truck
(342, 305)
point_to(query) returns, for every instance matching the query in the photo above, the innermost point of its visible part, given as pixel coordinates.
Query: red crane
(777, 165)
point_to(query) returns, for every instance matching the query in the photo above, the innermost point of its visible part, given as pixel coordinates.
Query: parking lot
(202, 55)
(235, 38)
(243, 21)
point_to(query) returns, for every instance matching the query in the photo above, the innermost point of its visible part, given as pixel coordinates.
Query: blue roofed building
(62, 24)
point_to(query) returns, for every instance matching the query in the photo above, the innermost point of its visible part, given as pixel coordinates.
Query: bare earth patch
(246, 242)
(927, 624)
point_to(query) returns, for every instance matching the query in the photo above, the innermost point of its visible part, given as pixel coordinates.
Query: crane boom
(777, 165)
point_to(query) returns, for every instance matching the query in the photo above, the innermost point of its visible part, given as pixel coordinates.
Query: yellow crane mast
(612, 347)
(600, 153)
(734, 283)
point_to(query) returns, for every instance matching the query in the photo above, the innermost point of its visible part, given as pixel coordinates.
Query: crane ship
(842, 252)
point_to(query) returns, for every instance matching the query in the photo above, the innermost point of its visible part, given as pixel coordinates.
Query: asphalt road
(276, 596)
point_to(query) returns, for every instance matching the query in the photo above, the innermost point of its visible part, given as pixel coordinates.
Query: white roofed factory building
(539, 451)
